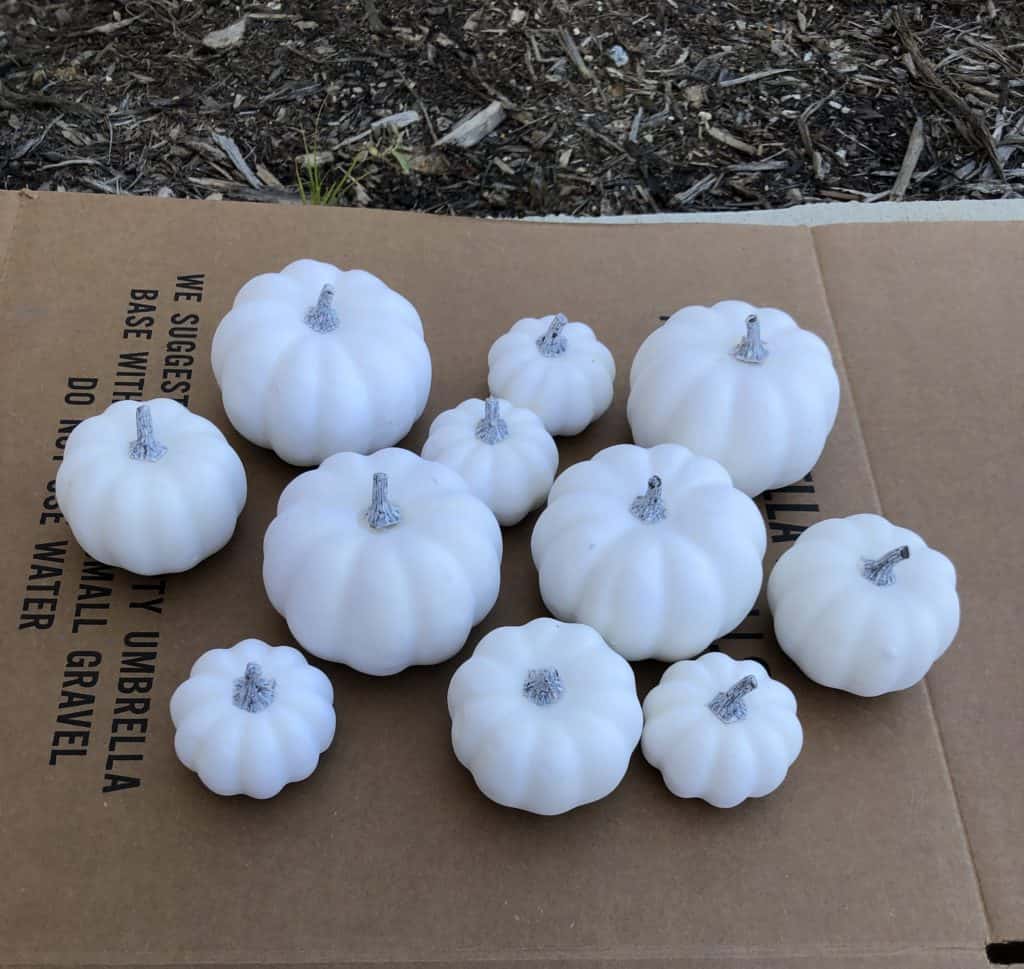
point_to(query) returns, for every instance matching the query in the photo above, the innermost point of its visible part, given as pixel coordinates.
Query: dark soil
(720, 105)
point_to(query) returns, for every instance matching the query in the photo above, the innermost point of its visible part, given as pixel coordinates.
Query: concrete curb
(828, 213)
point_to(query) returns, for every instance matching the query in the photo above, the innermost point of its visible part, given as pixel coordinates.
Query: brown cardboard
(940, 396)
(896, 840)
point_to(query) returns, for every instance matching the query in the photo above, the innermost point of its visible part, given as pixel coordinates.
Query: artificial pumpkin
(721, 729)
(862, 605)
(252, 718)
(382, 561)
(741, 384)
(653, 547)
(504, 453)
(544, 716)
(315, 360)
(557, 369)
(150, 487)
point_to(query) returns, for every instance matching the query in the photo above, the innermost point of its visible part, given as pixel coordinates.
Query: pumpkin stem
(728, 705)
(543, 686)
(322, 317)
(751, 349)
(145, 447)
(552, 343)
(254, 692)
(491, 429)
(880, 571)
(650, 506)
(381, 513)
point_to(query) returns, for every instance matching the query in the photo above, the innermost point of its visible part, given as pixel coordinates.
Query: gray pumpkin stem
(880, 571)
(728, 706)
(751, 349)
(254, 692)
(650, 506)
(322, 317)
(381, 513)
(552, 343)
(145, 447)
(543, 686)
(491, 428)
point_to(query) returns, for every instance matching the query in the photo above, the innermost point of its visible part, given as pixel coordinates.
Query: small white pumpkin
(315, 360)
(252, 718)
(721, 729)
(862, 605)
(654, 548)
(382, 561)
(150, 487)
(504, 453)
(741, 384)
(557, 369)
(544, 716)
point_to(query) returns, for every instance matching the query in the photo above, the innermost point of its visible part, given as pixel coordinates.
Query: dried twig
(574, 54)
(813, 155)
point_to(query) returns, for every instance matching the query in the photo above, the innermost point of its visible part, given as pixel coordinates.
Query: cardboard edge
(10, 211)
(11, 206)
(879, 508)
(889, 958)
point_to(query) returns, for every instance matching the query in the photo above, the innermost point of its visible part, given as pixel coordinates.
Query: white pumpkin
(150, 487)
(505, 454)
(654, 548)
(721, 729)
(382, 561)
(315, 360)
(862, 605)
(252, 718)
(741, 384)
(544, 716)
(557, 369)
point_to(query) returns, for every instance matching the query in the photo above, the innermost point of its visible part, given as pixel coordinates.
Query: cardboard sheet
(895, 842)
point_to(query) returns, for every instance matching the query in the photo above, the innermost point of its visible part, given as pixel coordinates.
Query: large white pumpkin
(654, 548)
(863, 605)
(721, 729)
(505, 454)
(315, 360)
(557, 369)
(382, 561)
(545, 716)
(741, 384)
(252, 718)
(150, 487)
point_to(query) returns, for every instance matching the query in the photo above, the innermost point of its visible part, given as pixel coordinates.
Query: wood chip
(910, 159)
(312, 159)
(699, 187)
(114, 25)
(267, 177)
(757, 76)
(226, 37)
(398, 121)
(228, 146)
(475, 128)
(728, 138)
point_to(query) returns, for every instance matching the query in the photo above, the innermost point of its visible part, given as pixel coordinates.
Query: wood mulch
(502, 108)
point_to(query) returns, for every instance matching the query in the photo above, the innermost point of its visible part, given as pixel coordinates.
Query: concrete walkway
(996, 210)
